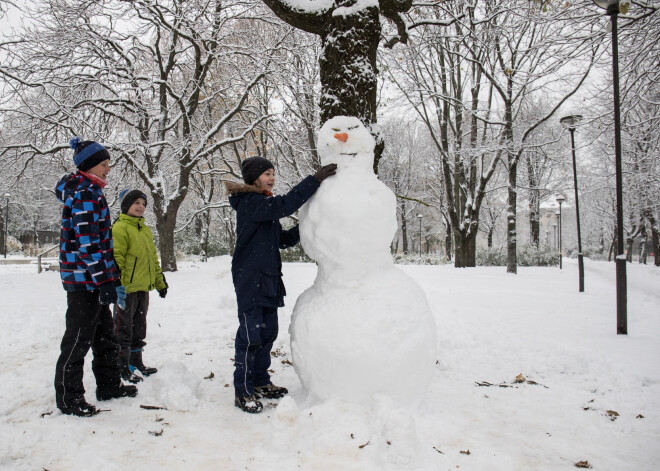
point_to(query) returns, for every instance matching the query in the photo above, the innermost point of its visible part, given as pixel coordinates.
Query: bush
(533, 256)
(417, 259)
(491, 257)
(527, 255)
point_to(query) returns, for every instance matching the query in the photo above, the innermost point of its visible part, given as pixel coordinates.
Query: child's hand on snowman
(325, 172)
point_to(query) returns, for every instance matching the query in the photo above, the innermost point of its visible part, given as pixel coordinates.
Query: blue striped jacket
(86, 257)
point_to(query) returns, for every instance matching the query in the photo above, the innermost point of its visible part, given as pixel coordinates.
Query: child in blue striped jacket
(90, 278)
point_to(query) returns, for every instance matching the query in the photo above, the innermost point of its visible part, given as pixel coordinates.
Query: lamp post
(612, 7)
(7, 195)
(570, 123)
(554, 235)
(560, 199)
(420, 216)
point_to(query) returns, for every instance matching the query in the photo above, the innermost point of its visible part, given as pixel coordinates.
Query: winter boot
(270, 391)
(79, 408)
(136, 362)
(248, 404)
(122, 390)
(127, 371)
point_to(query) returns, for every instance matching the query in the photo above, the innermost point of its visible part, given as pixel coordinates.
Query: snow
(358, 6)
(310, 6)
(491, 327)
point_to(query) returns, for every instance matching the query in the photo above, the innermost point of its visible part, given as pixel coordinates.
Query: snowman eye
(353, 127)
(336, 130)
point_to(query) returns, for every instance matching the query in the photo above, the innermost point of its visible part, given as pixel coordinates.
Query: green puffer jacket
(135, 255)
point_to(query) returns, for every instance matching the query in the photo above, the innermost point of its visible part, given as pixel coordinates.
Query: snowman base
(357, 340)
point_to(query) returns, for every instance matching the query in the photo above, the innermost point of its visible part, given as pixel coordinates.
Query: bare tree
(437, 77)
(138, 77)
(527, 46)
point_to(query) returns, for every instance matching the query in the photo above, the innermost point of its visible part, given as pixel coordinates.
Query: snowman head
(345, 141)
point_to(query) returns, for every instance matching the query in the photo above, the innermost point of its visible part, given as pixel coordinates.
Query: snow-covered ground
(588, 394)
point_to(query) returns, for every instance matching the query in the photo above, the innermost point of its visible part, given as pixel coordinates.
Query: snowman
(364, 328)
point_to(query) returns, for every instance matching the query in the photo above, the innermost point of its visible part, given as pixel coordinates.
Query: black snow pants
(131, 323)
(88, 324)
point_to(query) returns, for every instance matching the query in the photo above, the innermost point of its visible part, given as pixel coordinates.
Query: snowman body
(364, 327)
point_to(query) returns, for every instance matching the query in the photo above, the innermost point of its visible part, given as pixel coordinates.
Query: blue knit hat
(87, 154)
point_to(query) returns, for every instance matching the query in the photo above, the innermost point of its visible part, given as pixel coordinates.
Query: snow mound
(176, 387)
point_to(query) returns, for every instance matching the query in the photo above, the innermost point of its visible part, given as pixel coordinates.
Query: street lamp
(7, 195)
(570, 123)
(612, 7)
(554, 235)
(420, 216)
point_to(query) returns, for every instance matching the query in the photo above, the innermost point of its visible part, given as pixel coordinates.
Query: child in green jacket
(136, 257)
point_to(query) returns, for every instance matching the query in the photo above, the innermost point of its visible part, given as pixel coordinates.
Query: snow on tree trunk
(348, 70)
(350, 33)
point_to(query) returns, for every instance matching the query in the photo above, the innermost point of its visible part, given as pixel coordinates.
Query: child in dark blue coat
(257, 272)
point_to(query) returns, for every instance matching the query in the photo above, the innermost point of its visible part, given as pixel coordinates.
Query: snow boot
(127, 371)
(248, 404)
(123, 390)
(136, 362)
(80, 409)
(270, 391)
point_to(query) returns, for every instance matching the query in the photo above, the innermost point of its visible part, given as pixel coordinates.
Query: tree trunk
(642, 248)
(534, 204)
(165, 225)
(465, 251)
(448, 247)
(348, 72)
(2, 230)
(655, 241)
(511, 243)
(349, 76)
(404, 226)
(204, 237)
(629, 244)
(534, 221)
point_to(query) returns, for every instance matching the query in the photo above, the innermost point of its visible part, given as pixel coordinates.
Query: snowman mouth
(352, 155)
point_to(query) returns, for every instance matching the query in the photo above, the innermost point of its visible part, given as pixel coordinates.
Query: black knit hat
(127, 197)
(87, 154)
(253, 167)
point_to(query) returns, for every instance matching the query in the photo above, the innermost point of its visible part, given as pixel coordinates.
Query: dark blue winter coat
(86, 257)
(256, 266)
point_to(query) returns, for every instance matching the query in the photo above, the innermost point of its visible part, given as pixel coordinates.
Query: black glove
(325, 171)
(163, 292)
(107, 293)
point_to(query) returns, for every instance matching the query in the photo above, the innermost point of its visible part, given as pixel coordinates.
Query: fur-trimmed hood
(234, 188)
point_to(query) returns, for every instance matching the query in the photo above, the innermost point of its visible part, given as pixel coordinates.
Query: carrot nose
(342, 136)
